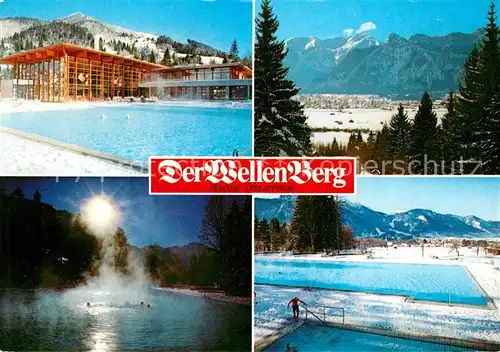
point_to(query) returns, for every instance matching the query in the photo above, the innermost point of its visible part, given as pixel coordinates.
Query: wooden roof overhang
(60, 50)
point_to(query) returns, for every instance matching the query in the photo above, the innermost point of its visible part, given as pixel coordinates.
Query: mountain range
(22, 33)
(361, 64)
(367, 222)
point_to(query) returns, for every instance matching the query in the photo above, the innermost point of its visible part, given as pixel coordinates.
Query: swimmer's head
(149, 305)
(142, 303)
(88, 304)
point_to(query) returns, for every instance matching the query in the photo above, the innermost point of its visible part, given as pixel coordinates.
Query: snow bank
(20, 156)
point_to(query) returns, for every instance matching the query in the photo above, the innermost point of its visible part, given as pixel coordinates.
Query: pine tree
(234, 51)
(279, 124)
(469, 109)
(299, 226)
(167, 60)
(152, 56)
(275, 233)
(490, 145)
(489, 56)
(399, 134)
(450, 132)
(265, 236)
(487, 128)
(37, 196)
(424, 144)
(380, 152)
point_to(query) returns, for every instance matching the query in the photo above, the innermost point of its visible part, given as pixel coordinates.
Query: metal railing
(315, 314)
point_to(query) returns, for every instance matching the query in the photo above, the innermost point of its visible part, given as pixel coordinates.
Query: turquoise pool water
(152, 129)
(436, 283)
(321, 338)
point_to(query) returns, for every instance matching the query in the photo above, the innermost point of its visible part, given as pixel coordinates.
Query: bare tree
(455, 246)
(212, 226)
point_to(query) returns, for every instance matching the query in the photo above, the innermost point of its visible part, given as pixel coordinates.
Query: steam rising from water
(115, 285)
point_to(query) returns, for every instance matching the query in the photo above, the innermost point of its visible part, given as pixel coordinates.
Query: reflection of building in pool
(230, 81)
(65, 72)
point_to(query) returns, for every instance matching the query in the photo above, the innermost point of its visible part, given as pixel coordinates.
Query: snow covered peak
(76, 17)
(473, 221)
(311, 43)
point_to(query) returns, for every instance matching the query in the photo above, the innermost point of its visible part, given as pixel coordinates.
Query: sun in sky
(101, 214)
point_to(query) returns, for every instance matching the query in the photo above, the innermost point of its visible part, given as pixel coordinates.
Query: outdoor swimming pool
(152, 129)
(423, 282)
(321, 338)
(60, 321)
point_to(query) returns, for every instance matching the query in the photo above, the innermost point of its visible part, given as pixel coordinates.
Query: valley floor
(372, 119)
(393, 312)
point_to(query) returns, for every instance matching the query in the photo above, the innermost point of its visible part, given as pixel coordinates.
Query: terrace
(230, 81)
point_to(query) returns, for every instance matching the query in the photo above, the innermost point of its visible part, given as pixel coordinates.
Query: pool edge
(122, 162)
(407, 298)
(482, 345)
(271, 339)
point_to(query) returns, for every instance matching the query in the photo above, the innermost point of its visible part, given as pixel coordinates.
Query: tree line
(467, 140)
(41, 246)
(316, 226)
(225, 259)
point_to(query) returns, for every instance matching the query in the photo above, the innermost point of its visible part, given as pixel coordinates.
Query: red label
(252, 175)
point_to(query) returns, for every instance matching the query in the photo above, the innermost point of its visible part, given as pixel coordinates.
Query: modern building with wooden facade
(230, 81)
(64, 72)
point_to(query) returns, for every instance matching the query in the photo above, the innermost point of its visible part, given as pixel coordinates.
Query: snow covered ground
(219, 296)
(393, 312)
(372, 119)
(20, 156)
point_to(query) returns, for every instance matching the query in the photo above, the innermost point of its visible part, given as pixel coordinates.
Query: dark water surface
(54, 321)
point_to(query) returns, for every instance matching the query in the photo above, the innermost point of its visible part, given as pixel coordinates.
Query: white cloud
(365, 27)
(1, 1)
(348, 32)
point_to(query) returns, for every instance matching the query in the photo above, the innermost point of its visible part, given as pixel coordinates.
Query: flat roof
(197, 66)
(57, 51)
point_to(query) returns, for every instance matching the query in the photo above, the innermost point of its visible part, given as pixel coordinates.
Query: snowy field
(393, 312)
(20, 156)
(372, 119)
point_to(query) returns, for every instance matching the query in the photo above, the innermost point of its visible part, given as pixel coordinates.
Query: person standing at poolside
(295, 307)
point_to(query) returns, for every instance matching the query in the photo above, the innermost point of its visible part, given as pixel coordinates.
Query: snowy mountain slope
(366, 222)
(20, 34)
(364, 65)
(11, 25)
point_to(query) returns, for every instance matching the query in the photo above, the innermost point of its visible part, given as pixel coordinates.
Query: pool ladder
(337, 309)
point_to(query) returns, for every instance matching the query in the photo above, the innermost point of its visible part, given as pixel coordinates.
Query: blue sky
(463, 196)
(215, 23)
(330, 18)
(167, 220)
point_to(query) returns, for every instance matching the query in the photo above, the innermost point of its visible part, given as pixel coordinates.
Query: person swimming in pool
(295, 307)
(88, 305)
